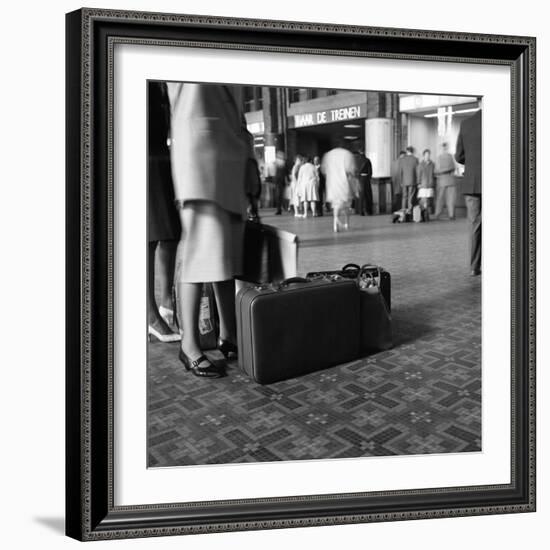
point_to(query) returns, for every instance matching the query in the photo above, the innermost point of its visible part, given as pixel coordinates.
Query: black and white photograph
(313, 273)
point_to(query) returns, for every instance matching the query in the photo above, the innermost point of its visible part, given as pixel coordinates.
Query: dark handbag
(253, 182)
(270, 254)
(376, 324)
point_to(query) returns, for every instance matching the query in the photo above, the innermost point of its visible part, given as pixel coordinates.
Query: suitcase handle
(351, 266)
(292, 280)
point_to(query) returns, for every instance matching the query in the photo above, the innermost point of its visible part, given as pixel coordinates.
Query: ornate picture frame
(90, 359)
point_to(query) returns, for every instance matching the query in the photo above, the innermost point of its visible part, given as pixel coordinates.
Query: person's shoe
(278, 213)
(475, 272)
(201, 367)
(163, 336)
(228, 349)
(167, 314)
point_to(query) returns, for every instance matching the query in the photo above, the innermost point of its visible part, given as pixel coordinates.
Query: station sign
(328, 116)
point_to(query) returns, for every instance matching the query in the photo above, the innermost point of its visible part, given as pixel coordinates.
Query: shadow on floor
(55, 524)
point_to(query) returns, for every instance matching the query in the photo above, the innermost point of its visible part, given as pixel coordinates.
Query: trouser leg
(439, 200)
(473, 207)
(451, 200)
(278, 198)
(409, 196)
(367, 197)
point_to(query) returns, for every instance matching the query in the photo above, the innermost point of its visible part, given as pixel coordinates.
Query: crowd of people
(430, 184)
(335, 183)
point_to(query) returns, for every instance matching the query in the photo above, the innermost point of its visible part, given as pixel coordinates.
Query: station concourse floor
(421, 397)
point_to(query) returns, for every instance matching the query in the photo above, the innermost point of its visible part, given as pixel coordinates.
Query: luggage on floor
(297, 327)
(376, 325)
(354, 271)
(349, 271)
(401, 216)
(270, 254)
(417, 213)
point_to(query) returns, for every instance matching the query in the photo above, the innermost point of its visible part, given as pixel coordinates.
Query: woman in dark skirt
(164, 226)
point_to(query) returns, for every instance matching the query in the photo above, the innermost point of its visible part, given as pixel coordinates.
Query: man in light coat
(446, 186)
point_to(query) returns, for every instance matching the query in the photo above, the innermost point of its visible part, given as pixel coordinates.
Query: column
(381, 132)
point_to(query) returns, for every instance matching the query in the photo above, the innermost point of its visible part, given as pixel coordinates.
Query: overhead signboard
(328, 116)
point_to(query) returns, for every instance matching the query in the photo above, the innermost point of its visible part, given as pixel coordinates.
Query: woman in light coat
(210, 153)
(295, 198)
(308, 187)
(338, 166)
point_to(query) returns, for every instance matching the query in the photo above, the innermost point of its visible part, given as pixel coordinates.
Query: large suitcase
(356, 272)
(297, 327)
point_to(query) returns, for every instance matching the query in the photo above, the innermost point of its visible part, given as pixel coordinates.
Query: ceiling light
(352, 126)
(351, 137)
(434, 115)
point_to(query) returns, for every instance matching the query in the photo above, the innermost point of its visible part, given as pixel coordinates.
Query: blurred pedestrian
(339, 168)
(397, 190)
(279, 179)
(295, 198)
(308, 187)
(364, 174)
(322, 186)
(407, 170)
(426, 182)
(446, 185)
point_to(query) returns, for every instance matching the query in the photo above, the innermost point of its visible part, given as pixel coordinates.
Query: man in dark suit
(364, 171)
(408, 166)
(397, 190)
(468, 152)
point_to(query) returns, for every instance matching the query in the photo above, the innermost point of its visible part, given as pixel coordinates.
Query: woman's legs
(154, 318)
(225, 300)
(346, 217)
(166, 255)
(188, 300)
(313, 207)
(337, 209)
(304, 209)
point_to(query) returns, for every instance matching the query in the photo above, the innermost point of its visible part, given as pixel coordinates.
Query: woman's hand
(252, 210)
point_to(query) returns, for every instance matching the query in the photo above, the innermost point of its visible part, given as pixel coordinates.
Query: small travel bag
(382, 278)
